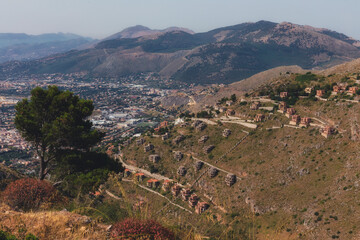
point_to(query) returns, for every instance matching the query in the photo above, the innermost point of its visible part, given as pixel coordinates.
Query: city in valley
(124, 107)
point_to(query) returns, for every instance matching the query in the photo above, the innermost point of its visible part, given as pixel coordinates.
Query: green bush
(204, 114)
(308, 77)
(77, 183)
(7, 236)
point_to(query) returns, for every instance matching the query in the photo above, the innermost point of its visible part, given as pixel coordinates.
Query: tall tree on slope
(54, 121)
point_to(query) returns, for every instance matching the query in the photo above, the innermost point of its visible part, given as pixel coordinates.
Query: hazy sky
(100, 18)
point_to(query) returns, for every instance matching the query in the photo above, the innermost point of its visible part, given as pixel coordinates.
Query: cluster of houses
(176, 190)
(295, 119)
(258, 117)
(192, 199)
(341, 88)
(338, 88)
(230, 179)
(147, 147)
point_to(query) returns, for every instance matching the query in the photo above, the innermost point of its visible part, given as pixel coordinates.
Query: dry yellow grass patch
(51, 224)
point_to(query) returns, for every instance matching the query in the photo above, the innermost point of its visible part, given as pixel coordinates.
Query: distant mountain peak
(142, 31)
(136, 28)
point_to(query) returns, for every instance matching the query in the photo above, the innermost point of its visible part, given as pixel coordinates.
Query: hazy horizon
(99, 19)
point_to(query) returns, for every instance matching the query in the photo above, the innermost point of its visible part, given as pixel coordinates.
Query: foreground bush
(7, 236)
(138, 229)
(29, 193)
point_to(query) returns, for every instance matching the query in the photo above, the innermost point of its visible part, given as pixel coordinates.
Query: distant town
(123, 107)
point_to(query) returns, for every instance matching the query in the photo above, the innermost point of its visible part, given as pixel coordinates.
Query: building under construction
(198, 165)
(148, 147)
(208, 149)
(185, 194)
(175, 190)
(193, 200)
(230, 179)
(181, 171)
(154, 158)
(178, 139)
(203, 139)
(201, 207)
(213, 172)
(178, 155)
(226, 132)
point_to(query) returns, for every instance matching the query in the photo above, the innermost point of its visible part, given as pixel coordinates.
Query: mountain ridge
(222, 55)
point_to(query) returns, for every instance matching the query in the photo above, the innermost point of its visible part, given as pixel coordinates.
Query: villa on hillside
(327, 131)
(320, 92)
(282, 107)
(254, 106)
(284, 94)
(353, 90)
(259, 117)
(290, 112)
(305, 122)
(295, 120)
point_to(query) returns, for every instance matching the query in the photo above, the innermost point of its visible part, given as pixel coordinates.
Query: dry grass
(303, 184)
(51, 224)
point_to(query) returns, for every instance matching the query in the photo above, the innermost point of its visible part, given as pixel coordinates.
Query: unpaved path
(152, 191)
(146, 172)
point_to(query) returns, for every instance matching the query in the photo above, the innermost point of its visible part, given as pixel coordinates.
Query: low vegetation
(30, 194)
(133, 229)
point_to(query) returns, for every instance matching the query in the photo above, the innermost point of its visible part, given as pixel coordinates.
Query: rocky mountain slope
(223, 55)
(297, 168)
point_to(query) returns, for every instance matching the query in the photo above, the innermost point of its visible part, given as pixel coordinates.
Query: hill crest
(141, 31)
(222, 55)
